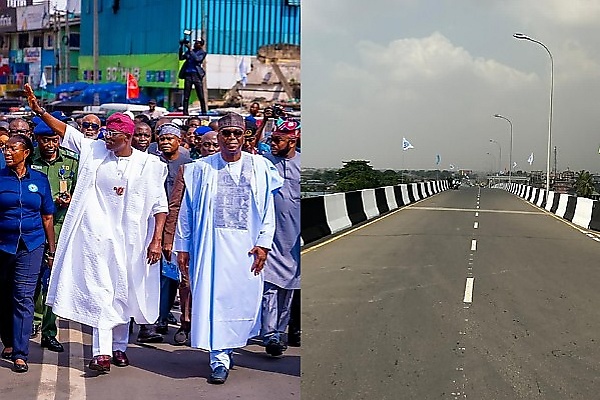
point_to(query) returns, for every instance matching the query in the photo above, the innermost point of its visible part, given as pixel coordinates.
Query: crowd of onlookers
(38, 179)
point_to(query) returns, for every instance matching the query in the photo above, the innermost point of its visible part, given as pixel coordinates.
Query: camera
(183, 41)
(275, 111)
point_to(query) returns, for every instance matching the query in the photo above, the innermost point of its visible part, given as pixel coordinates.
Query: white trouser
(220, 357)
(105, 341)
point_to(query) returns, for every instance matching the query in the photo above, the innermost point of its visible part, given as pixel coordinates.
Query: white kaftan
(100, 276)
(227, 209)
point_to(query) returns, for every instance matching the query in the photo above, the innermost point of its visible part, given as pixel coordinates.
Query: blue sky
(436, 72)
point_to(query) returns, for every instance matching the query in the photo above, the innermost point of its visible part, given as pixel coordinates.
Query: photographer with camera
(272, 113)
(192, 72)
(60, 165)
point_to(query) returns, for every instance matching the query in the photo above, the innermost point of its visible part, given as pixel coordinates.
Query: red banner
(133, 90)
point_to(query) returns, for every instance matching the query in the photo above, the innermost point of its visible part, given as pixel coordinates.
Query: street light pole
(511, 146)
(521, 36)
(500, 158)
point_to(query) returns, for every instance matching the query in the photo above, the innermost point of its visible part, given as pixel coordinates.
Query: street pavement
(469, 294)
(157, 371)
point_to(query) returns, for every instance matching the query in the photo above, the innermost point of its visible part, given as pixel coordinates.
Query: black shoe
(148, 334)
(219, 375)
(7, 355)
(161, 327)
(35, 331)
(171, 319)
(52, 344)
(275, 348)
(20, 367)
(181, 337)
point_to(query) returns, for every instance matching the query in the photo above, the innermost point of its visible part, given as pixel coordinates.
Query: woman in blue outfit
(26, 236)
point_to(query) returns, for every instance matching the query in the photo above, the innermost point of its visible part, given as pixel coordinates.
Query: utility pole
(203, 36)
(555, 162)
(67, 48)
(95, 34)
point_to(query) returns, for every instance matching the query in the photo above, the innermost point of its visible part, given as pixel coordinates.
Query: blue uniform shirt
(22, 204)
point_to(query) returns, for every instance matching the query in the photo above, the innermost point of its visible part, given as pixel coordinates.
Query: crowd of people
(103, 223)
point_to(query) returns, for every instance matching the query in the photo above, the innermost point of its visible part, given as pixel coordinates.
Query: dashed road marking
(474, 245)
(469, 291)
(476, 225)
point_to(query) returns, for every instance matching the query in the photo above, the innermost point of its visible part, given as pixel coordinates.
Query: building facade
(142, 38)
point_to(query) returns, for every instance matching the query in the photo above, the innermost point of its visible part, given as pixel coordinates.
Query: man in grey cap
(224, 232)
(169, 139)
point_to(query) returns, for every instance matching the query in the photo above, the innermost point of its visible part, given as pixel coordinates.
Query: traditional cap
(287, 127)
(177, 121)
(231, 120)
(121, 123)
(42, 129)
(59, 115)
(152, 101)
(201, 130)
(169, 129)
(129, 114)
(250, 128)
(4, 125)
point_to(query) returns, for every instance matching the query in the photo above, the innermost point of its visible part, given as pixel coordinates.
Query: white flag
(43, 82)
(406, 144)
(530, 159)
(243, 72)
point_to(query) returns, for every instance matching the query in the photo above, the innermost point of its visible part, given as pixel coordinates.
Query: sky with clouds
(436, 71)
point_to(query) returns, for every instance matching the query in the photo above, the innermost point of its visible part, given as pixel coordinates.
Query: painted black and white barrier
(326, 215)
(581, 211)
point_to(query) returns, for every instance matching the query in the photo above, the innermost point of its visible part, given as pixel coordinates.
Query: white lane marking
(476, 225)
(468, 291)
(477, 214)
(377, 219)
(541, 212)
(49, 375)
(596, 239)
(474, 245)
(76, 377)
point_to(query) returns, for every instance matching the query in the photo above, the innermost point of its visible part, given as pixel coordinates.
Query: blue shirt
(2, 162)
(22, 204)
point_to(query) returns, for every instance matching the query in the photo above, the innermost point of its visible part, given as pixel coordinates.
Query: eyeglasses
(109, 134)
(231, 132)
(210, 144)
(86, 125)
(277, 139)
(19, 131)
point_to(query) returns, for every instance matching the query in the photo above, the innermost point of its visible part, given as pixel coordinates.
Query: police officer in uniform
(60, 165)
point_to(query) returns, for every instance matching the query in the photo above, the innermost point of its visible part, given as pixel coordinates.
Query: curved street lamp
(500, 156)
(522, 36)
(511, 146)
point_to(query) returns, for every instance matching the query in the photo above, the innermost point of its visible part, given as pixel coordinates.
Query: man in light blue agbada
(224, 232)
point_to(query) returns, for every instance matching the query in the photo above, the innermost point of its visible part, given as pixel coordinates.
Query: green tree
(584, 184)
(389, 177)
(357, 175)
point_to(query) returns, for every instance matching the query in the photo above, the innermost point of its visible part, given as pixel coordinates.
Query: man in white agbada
(106, 269)
(224, 231)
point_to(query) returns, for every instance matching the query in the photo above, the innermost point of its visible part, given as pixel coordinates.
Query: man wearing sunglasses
(224, 231)
(90, 126)
(282, 269)
(106, 265)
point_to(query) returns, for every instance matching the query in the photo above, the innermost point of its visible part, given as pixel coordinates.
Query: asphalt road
(157, 371)
(468, 294)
